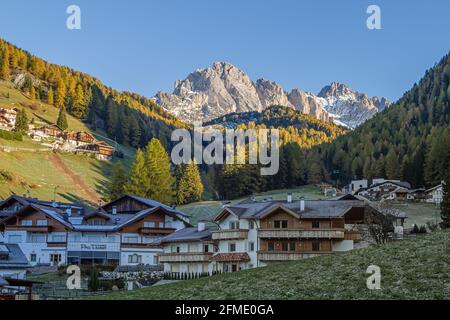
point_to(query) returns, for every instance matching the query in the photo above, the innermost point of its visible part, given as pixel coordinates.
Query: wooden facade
(125, 204)
(31, 214)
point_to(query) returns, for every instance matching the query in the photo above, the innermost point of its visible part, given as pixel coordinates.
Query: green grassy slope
(410, 269)
(75, 177)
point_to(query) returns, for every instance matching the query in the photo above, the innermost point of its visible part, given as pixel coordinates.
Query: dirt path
(86, 191)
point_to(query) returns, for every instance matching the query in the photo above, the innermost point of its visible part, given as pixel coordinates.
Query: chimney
(302, 204)
(201, 226)
(114, 210)
(289, 197)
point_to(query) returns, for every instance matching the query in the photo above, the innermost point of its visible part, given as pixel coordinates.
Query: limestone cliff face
(223, 88)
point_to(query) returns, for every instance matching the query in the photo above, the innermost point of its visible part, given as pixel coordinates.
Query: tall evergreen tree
(4, 68)
(392, 165)
(60, 98)
(118, 181)
(445, 205)
(21, 122)
(190, 188)
(62, 119)
(50, 97)
(78, 102)
(157, 162)
(138, 183)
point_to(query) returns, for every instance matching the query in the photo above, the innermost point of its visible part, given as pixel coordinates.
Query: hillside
(76, 177)
(409, 140)
(126, 117)
(410, 269)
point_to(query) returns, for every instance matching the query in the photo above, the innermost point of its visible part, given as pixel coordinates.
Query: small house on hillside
(50, 131)
(7, 119)
(435, 194)
(78, 138)
(101, 150)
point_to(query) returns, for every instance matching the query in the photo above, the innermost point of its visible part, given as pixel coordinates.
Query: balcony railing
(301, 233)
(229, 234)
(184, 257)
(288, 256)
(155, 230)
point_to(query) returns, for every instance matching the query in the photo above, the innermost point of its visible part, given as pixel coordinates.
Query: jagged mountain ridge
(210, 93)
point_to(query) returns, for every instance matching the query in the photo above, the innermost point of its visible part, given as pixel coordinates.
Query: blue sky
(144, 46)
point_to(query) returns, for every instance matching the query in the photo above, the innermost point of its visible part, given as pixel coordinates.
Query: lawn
(207, 209)
(417, 268)
(419, 213)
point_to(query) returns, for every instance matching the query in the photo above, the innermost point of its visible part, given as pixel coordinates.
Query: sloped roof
(189, 234)
(16, 258)
(313, 208)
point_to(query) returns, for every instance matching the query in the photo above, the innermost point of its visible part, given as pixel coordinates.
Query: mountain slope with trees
(126, 117)
(409, 140)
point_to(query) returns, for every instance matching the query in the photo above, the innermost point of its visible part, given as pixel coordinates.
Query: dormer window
(149, 224)
(234, 225)
(41, 223)
(26, 223)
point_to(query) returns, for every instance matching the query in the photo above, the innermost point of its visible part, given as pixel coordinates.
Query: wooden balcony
(52, 244)
(301, 233)
(184, 257)
(37, 229)
(154, 231)
(352, 235)
(288, 256)
(230, 234)
(139, 245)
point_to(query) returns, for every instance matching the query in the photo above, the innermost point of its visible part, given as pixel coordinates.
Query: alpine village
(86, 179)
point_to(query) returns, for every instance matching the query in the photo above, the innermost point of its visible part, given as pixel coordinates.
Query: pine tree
(32, 93)
(78, 103)
(157, 164)
(118, 181)
(50, 97)
(62, 119)
(445, 204)
(4, 68)
(21, 122)
(392, 165)
(138, 182)
(190, 187)
(60, 98)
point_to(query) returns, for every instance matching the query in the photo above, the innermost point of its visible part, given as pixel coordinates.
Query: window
(251, 246)
(33, 257)
(176, 249)
(97, 222)
(291, 246)
(280, 224)
(251, 225)
(134, 258)
(14, 239)
(234, 225)
(316, 246)
(316, 224)
(149, 224)
(232, 247)
(285, 246)
(27, 223)
(270, 246)
(206, 248)
(37, 238)
(58, 238)
(131, 239)
(41, 223)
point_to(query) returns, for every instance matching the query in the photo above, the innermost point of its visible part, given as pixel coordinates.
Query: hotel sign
(93, 247)
(77, 246)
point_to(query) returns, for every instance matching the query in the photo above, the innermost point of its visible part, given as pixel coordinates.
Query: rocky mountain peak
(223, 88)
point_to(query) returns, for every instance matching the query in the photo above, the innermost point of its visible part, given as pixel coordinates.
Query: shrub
(10, 135)
(432, 226)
